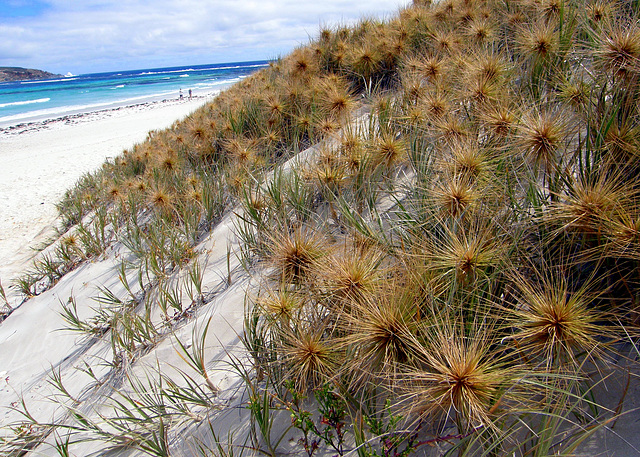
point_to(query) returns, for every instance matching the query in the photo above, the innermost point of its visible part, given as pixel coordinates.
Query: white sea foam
(25, 102)
(205, 69)
(184, 76)
(119, 86)
(69, 109)
(215, 83)
(182, 70)
(48, 81)
(242, 66)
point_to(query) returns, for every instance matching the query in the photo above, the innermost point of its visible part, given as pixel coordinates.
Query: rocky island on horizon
(23, 74)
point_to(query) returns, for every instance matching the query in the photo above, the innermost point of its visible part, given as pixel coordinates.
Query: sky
(89, 36)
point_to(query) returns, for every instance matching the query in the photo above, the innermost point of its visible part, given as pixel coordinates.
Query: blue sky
(86, 36)
(21, 8)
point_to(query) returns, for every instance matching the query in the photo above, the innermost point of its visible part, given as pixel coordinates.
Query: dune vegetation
(441, 213)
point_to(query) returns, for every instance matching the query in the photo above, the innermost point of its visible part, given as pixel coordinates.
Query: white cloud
(102, 35)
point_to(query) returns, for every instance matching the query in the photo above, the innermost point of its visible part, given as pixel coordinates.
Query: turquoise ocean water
(28, 101)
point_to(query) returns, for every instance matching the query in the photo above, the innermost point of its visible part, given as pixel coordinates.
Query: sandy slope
(55, 155)
(29, 358)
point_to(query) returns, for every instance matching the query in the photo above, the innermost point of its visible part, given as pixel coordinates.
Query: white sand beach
(41, 160)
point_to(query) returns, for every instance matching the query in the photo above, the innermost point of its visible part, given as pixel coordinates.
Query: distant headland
(23, 74)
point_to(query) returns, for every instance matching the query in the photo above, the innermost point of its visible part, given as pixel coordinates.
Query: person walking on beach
(189, 94)
(180, 94)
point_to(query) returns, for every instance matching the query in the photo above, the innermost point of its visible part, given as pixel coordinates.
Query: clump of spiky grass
(600, 12)
(491, 66)
(294, 254)
(450, 128)
(543, 135)
(539, 41)
(330, 174)
(436, 103)
(499, 120)
(365, 60)
(621, 141)
(446, 43)
(590, 202)
(352, 150)
(414, 87)
(336, 97)
(467, 159)
(168, 161)
(352, 276)
(378, 335)
(70, 250)
(455, 196)
(574, 92)
(482, 91)
(302, 64)
(482, 31)
(466, 254)
(161, 200)
(458, 374)
(281, 304)
(309, 356)
(554, 320)
(622, 234)
(434, 68)
(619, 50)
(327, 125)
(389, 149)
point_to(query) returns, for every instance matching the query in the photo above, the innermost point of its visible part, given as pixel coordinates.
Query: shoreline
(85, 116)
(43, 159)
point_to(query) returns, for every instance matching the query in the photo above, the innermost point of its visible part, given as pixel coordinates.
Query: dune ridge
(416, 236)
